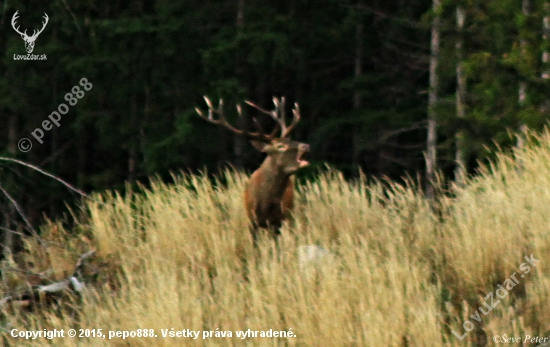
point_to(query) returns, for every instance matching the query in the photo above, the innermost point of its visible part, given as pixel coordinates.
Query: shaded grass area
(402, 273)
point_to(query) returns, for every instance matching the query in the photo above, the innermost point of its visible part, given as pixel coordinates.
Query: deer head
(29, 40)
(283, 153)
(269, 194)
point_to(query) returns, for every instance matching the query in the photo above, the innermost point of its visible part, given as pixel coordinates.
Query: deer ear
(259, 145)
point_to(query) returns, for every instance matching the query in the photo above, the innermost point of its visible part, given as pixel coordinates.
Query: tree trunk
(461, 170)
(8, 239)
(132, 144)
(522, 89)
(239, 142)
(545, 35)
(431, 153)
(359, 31)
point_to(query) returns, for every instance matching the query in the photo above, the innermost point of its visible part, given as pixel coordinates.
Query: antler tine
(223, 121)
(281, 108)
(295, 120)
(280, 123)
(256, 123)
(209, 103)
(273, 115)
(259, 108)
(219, 111)
(14, 23)
(279, 115)
(46, 18)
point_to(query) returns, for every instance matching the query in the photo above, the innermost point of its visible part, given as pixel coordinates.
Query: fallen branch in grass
(74, 283)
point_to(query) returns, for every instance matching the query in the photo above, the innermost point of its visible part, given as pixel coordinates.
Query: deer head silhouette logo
(29, 40)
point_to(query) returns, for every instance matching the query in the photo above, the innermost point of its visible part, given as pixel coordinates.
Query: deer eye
(282, 147)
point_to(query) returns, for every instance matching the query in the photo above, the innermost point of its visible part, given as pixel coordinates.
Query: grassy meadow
(400, 273)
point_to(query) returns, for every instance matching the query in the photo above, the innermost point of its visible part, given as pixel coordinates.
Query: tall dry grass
(401, 273)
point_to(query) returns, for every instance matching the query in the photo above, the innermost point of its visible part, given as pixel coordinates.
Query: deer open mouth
(301, 153)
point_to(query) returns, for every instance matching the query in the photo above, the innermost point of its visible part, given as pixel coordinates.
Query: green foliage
(150, 64)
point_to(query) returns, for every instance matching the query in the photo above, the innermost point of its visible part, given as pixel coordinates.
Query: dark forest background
(359, 69)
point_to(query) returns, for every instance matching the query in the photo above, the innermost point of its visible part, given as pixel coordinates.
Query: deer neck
(274, 179)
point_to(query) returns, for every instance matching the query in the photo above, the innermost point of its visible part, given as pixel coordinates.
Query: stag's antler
(279, 115)
(13, 23)
(259, 135)
(46, 19)
(34, 33)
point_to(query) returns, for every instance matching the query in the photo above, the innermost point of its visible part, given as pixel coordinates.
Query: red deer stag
(269, 194)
